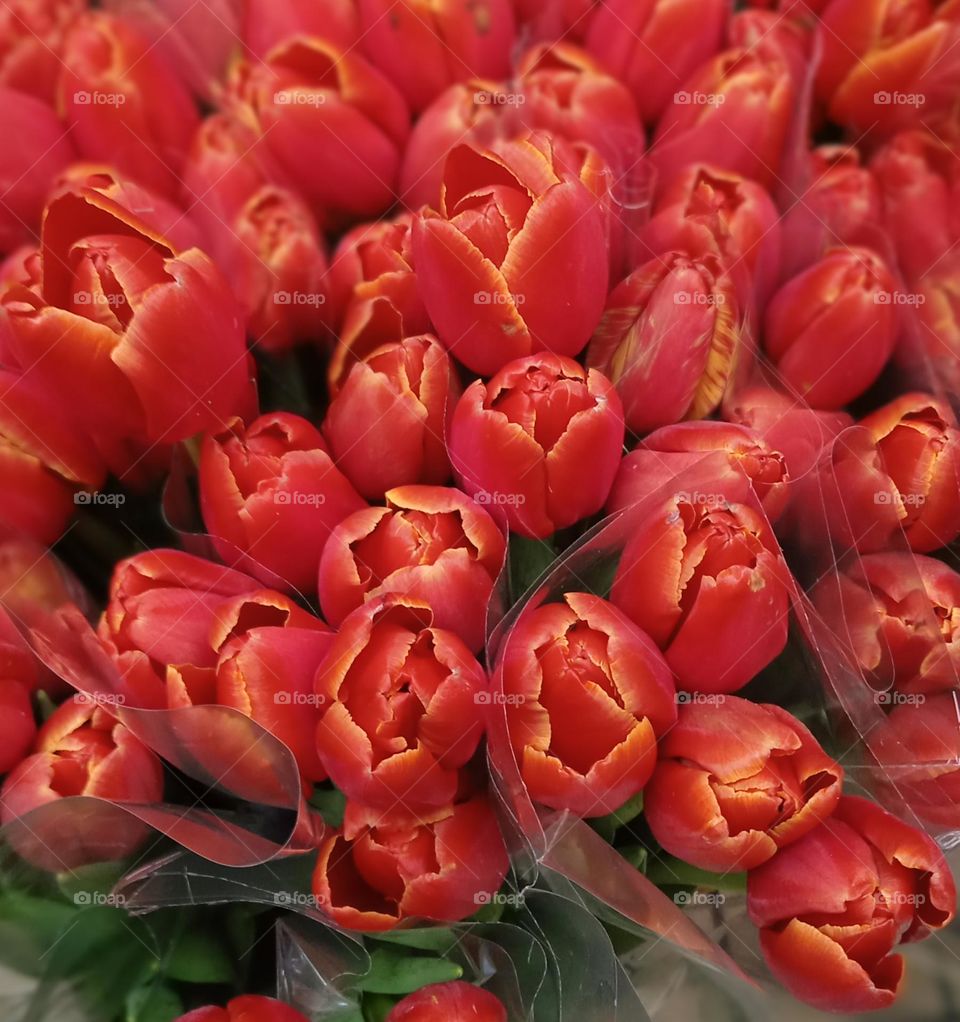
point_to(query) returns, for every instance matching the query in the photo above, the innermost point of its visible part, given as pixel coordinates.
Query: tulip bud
(833, 906)
(82, 750)
(735, 781)
(31, 42)
(271, 492)
(249, 1008)
(516, 261)
(423, 675)
(17, 725)
(318, 105)
(267, 23)
(700, 574)
(447, 1002)
(726, 460)
(586, 694)
(899, 615)
(404, 393)
(670, 340)
(123, 103)
(733, 113)
(841, 205)
(541, 441)
(831, 329)
(431, 543)
(29, 168)
(388, 866)
(424, 46)
(655, 45)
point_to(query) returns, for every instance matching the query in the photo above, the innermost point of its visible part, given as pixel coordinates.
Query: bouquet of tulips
(480, 537)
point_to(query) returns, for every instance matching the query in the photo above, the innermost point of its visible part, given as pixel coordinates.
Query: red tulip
(123, 103)
(267, 673)
(29, 168)
(449, 1002)
(586, 694)
(706, 582)
(541, 440)
(112, 305)
(404, 393)
(832, 907)
(432, 543)
(17, 725)
(82, 750)
(401, 706)
(734, 113)
(706, 210)
(728, 461)
(670, 340)
(31, 41)
(735, 781)
(831, 329)
(516, 260)
(316, 104)
(249, 1008)
(271, 492)
(918, 174)
(655, 45)
(388, 866)
(267, 23)
(554, 19)
(899, 615)
(424, 46)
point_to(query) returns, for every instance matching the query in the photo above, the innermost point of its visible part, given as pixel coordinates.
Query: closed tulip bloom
(17, 725)
(82, 750)
(831, 329)
(384, 867)
(270, 22)
(271, 492)
(587, 694)
(249, 1008)
(735, 781)
(31, 40)
(401, 706)
(430, 542)
(111, 305)
(318, 105)
(670, 340)
(734, 113)
(29, 168)
(718, 458)
(124, 103)
(700, 575)
(449, 1002)
(655, 45)
(541, 441)
(404, 393)
(833, 907)
(516, 260)
(423, 47)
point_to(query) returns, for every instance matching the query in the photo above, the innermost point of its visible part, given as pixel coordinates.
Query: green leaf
(88, 884)
(434, 938)
(636, 855)
(376, 1007)
(198, 957)
(528, 559)
(154, 1003)
(331, 805)
(392, 972)
(607, 826)
(670, 872)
